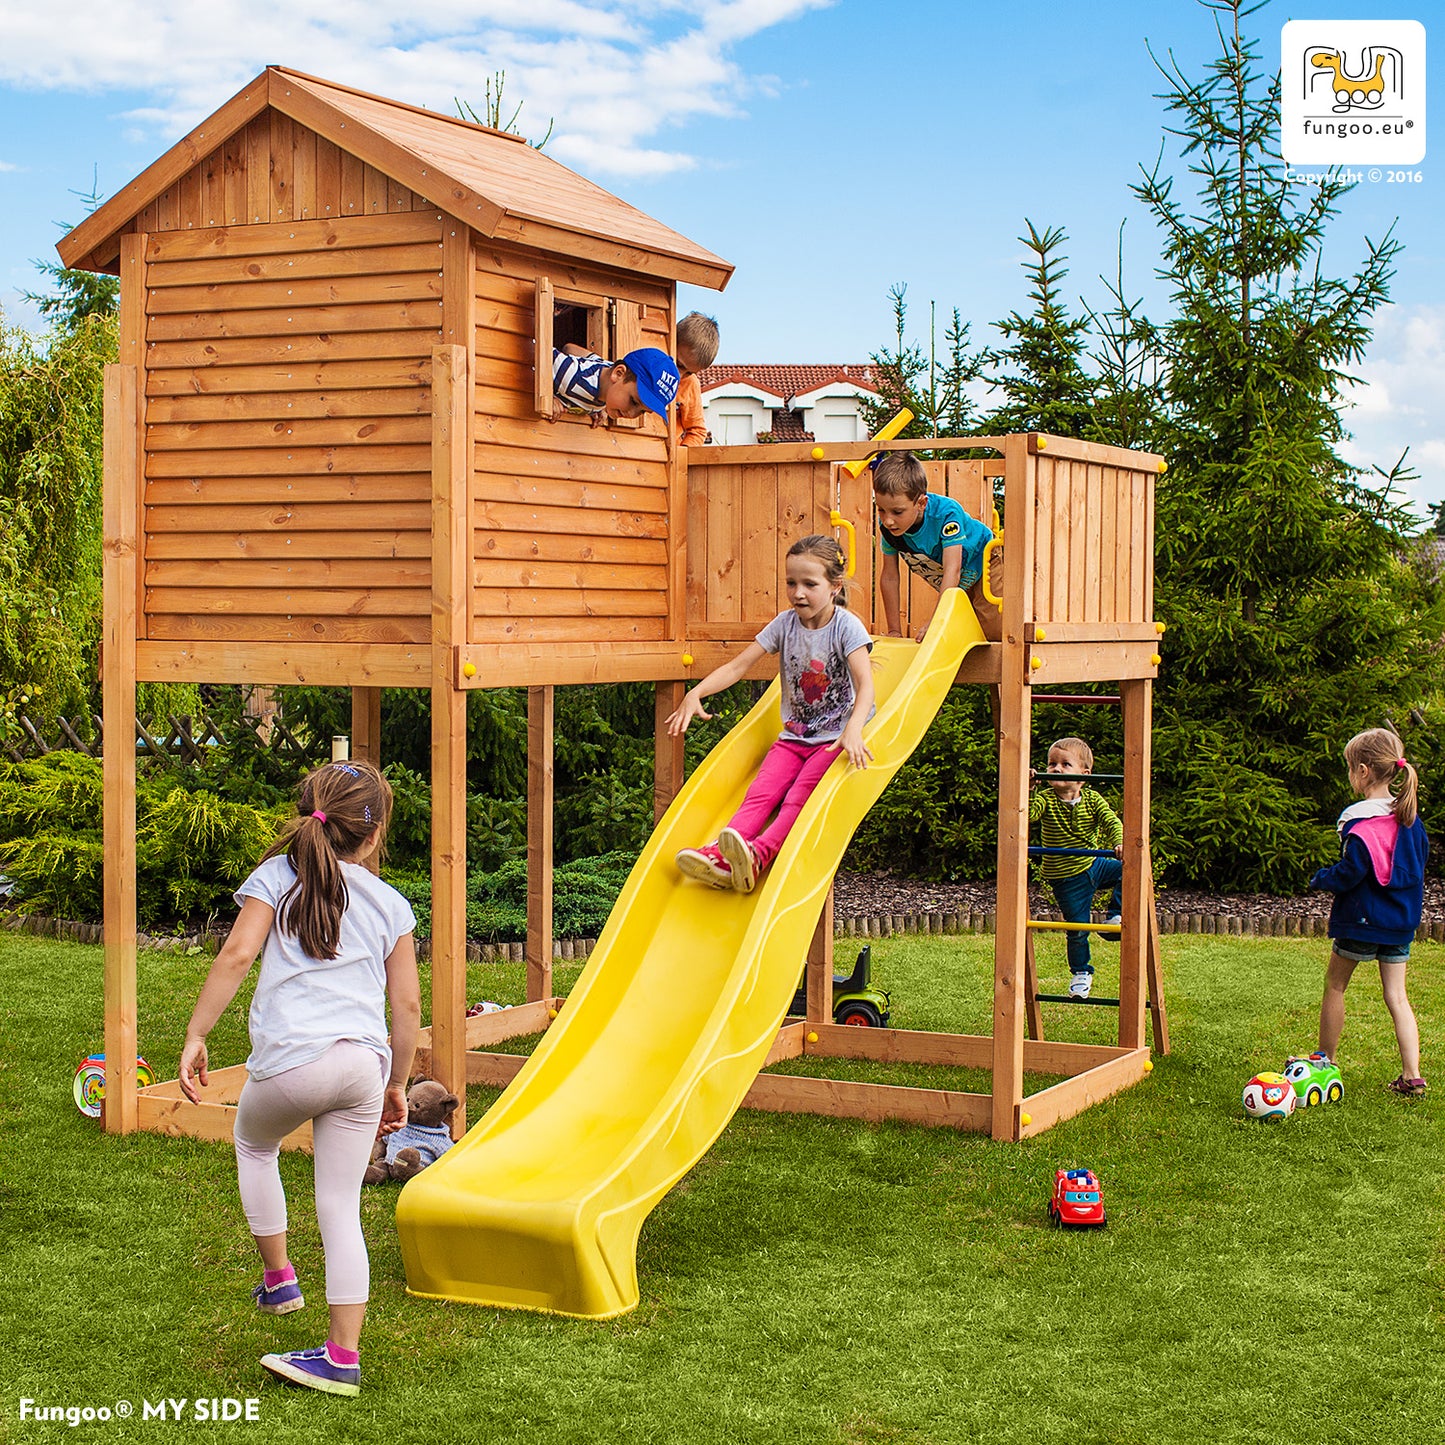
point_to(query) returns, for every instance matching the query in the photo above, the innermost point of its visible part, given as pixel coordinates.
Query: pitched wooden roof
(493, 182)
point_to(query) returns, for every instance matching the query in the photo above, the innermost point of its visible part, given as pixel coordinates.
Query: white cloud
(8, 166)
(1398, 401)
(613, 74)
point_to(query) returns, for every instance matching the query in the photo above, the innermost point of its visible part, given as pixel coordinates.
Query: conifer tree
(1044, 384)
(1297, 616)
(933, 388)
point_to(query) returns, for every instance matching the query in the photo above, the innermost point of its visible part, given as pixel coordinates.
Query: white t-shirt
(303, 1005)
(817, 686)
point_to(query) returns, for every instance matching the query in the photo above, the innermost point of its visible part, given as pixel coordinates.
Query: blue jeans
(1076, 901)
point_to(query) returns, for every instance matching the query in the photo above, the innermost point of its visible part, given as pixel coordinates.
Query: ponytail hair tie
(319, 814)
(1400, 762)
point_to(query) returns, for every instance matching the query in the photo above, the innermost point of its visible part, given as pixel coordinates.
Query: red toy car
(1078, 1202)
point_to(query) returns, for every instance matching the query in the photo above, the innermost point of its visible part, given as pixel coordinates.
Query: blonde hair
(1079, 748)
(339, 807)
(699, 334)
(1379, 750)
(900, 474)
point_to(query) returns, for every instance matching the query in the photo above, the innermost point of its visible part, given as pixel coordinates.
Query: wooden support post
(1032, 1012)
(820, 967)
(366, 739)
(541, 723)
(1136, 699)
(1015, 735)
(366, 724)
(1154, 972)
(451, 403)
(120, 515)
(668, 766)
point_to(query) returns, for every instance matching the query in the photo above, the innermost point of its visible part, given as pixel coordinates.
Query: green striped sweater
(1088, 823)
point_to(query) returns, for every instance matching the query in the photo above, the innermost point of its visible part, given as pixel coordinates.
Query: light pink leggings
(340, 1094)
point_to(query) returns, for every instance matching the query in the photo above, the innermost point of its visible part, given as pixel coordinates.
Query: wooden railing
(1090, 573)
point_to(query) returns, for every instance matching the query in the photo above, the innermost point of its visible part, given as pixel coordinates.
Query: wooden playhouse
(330, 459)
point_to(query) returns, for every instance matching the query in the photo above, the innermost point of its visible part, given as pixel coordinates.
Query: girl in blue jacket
(1379, 888)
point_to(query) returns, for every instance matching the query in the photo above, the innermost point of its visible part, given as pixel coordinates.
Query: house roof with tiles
(786, 382)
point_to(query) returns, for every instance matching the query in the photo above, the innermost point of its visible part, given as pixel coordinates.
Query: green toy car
(1316, 1080)
(855, 1000)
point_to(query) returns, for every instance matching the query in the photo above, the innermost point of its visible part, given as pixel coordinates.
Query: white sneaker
(695, 863)
(739, 856)
(1080, 984)
(1114, 918)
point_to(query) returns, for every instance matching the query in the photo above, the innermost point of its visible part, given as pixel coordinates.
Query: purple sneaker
(316, 1370)
(278, 1299)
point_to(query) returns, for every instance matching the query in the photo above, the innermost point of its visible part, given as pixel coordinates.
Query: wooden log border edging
(886, 925)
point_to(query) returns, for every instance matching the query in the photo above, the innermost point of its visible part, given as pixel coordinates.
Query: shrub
(192, 846)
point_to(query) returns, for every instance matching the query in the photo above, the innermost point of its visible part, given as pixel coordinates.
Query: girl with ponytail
(1379, 888)
(336, 946)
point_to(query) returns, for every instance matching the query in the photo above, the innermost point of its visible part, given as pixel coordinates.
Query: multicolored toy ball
(1269, 1096)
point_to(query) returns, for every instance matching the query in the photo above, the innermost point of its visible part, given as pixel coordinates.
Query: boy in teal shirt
(933, 535)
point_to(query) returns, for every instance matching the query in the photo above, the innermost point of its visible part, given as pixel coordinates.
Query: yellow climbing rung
(1085, 927)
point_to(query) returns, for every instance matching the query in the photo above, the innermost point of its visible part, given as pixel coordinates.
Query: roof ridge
(398, 104)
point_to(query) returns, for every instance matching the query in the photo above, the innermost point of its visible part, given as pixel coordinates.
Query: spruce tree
(1044, 383)
(1297, 614)
(932, 387)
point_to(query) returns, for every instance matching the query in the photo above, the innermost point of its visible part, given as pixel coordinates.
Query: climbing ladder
(1153, 974)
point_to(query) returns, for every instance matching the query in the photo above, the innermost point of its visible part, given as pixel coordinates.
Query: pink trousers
(340, 1095)
(785, 781)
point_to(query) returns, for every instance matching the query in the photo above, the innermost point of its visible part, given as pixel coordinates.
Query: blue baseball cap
(656, 374)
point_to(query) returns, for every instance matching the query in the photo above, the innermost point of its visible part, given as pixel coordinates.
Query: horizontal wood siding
(274, 170)
(571, 522)
(288, 420)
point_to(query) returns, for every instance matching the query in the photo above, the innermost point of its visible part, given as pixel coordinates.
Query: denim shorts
(1362, 952)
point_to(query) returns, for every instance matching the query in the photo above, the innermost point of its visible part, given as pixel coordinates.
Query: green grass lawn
(814, 1280)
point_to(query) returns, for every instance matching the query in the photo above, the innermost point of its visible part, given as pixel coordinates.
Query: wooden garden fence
(176, 738)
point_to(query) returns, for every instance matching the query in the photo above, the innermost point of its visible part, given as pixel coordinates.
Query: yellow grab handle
(996, 541)
(837, 519)
(886, 432)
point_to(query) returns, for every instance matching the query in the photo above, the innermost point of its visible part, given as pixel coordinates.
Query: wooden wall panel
(274, 170)
(287, 424)
(570, 521)
(742, 518)
(1092, 570)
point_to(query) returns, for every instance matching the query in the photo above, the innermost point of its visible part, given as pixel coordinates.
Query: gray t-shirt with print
(813, 668)
(303, 1005)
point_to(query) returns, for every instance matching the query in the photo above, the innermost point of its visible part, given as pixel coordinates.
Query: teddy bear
(422, 1140)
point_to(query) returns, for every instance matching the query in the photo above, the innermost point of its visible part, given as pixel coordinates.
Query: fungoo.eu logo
(1352, 92)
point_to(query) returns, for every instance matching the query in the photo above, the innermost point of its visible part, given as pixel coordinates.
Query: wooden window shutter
(544, 305)
(626, 336)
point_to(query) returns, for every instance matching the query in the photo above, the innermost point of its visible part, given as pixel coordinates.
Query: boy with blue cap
(644, 380)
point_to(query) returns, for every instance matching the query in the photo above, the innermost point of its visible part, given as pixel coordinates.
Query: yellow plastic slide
(540, 1205)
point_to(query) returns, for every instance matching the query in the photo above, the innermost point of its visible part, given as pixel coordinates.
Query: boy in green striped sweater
(1073, 815)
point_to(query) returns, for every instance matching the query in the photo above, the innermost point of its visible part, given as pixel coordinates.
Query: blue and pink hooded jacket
(1379, 882)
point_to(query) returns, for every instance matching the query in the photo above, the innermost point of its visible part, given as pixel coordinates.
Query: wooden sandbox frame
(325, 462)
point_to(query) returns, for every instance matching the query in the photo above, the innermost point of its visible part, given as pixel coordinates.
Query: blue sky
(829, 148)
